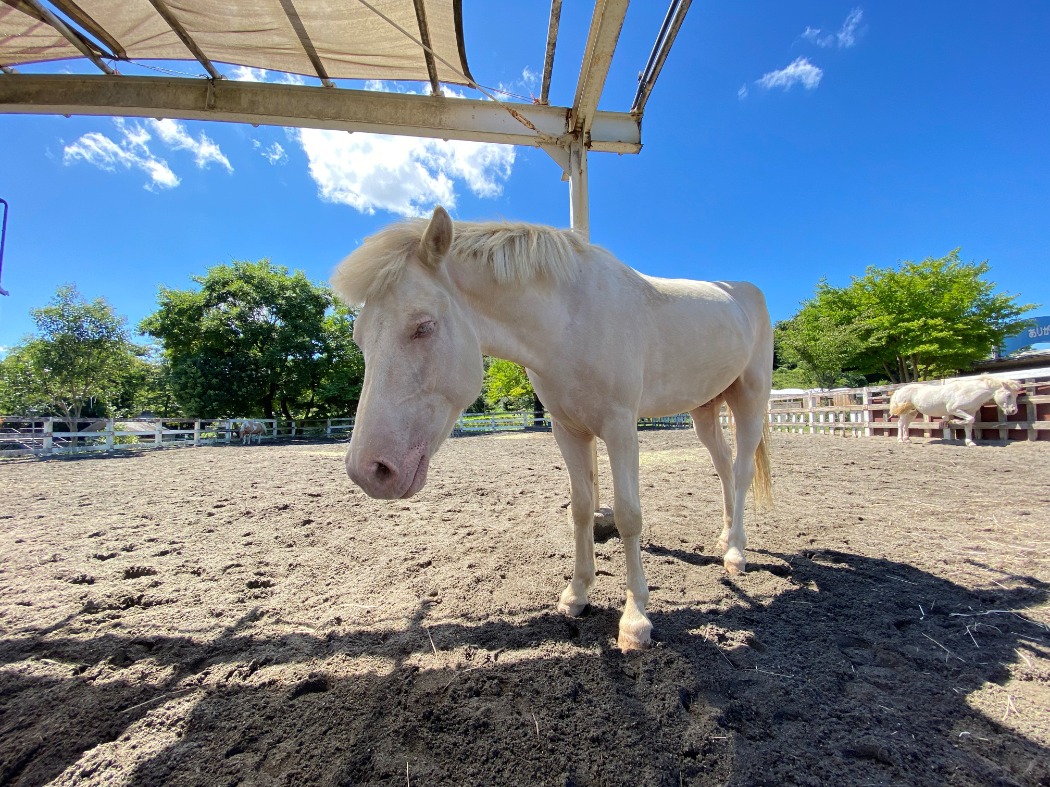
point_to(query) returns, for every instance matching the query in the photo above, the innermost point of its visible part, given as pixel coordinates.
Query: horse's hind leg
(748, 403)
(576, 450)
(709, 430)
(904, 426)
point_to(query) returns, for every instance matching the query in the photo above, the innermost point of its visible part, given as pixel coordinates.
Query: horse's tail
(899, 402)
(762, 483)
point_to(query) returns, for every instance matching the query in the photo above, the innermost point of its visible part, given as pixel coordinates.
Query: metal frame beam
(70, 35)
(668, 32)
(606, 24)
(304, 41)
(428, 52)
(176, 26)
(552, 43)
(310, 107)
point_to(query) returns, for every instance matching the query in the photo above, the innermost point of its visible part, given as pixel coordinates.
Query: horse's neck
(514, 322)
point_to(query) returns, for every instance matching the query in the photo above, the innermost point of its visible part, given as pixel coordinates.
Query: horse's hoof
(734, 561)
(573, 610)
(636, 636)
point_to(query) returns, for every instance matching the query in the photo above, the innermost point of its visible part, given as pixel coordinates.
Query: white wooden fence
(851, 412)
(48, 436)
(865, 412)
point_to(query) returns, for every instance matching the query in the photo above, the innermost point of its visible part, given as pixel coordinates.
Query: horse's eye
(424, 329)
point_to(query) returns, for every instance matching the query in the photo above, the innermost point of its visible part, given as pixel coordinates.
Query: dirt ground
(244, 615)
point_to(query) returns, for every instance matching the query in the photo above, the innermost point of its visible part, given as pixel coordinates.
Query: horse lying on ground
(250, 429)
(602, 344)
(960, 398)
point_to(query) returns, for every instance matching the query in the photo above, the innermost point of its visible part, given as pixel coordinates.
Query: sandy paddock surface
(243, 615)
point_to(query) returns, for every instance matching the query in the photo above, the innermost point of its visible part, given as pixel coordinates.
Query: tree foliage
(255, 340)
(73, 365)
(914, 322)
(507, 386)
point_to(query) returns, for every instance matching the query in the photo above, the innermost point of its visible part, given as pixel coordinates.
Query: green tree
(820, 342)
(255, 340)
(507, 386)
(73, 365)
(145, 386)
(914, 322)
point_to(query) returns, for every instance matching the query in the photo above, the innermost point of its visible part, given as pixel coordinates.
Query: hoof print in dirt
(312, 684)
(134, 572)
(82, 579)
(870, 750)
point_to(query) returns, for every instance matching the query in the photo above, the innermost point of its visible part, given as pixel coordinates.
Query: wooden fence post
(1032, 408)
(866, 415)
(196, 433)
(110, 428)
(49, 435)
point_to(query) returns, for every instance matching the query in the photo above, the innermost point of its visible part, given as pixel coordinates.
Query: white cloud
(742, 92)
(817, 36)
(845, 38)
(130, 153)
(529, 77)
(204, 151)
(131, 150)
(847, 35)
(801, 71)
(274, 152)
(402, 175)
(248, 74)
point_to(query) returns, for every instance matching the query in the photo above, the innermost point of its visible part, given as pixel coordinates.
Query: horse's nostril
(383, 472)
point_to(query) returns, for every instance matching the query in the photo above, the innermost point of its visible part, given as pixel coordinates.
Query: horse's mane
(514, 252)
(997, 382)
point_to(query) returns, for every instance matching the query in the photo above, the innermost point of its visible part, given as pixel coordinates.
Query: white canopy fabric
(330, 39)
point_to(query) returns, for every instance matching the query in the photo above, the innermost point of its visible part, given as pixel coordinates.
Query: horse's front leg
(576, 450)
(966, 421)
(635, 626)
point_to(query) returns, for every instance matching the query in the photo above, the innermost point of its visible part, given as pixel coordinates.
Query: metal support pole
(580, 219)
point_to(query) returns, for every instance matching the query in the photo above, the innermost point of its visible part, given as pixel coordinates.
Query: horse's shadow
(864, 671)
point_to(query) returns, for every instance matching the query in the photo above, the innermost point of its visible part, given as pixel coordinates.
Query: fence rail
(865, 412)
(853, 412)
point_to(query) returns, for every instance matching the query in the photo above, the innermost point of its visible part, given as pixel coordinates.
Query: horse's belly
(934, 406)
(687, 388)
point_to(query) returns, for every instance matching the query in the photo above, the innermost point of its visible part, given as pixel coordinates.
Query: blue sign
(1037, 332)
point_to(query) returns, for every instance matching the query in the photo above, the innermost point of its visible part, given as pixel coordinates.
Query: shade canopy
(329, 39)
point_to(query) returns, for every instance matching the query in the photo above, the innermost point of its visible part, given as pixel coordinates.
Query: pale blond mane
(514, 252)
(999, 382)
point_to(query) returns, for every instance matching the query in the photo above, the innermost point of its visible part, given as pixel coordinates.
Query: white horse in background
(250, 429)
(961, 399)
(602, 344)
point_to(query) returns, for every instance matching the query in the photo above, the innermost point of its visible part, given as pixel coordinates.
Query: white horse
(250, 429)
(960, 398)
(602, 345)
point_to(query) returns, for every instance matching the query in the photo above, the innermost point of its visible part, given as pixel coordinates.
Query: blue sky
(783, 142)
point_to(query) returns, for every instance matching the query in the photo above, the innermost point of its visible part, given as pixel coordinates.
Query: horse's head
(422, 364)
(1006, 395)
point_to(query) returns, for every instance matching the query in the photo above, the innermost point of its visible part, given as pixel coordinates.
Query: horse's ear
(437, 238)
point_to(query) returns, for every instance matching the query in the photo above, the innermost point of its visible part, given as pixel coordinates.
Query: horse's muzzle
(386, 478)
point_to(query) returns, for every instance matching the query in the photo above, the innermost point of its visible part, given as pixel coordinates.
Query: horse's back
(704, 336)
